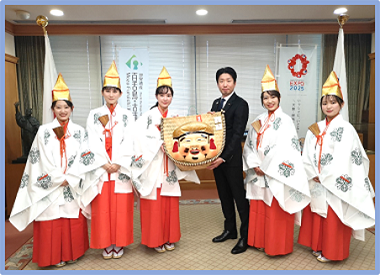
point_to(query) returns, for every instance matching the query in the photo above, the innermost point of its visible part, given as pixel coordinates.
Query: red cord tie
(320, 143)
(62, 144)
(266, 125)
(44, 177)
(287, 165)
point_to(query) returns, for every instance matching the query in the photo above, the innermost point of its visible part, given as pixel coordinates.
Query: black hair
(161, 91)
(109, 88)
(69, 103)
(338, 99)
(271, 93)
(226, 70)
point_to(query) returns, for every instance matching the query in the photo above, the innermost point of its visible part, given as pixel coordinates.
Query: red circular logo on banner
(293, 61)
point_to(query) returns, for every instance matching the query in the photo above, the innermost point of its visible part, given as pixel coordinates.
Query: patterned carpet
(201, 220)
(19, 259)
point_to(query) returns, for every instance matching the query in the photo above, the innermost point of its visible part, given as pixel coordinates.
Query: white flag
(340, 70)
(50, 77)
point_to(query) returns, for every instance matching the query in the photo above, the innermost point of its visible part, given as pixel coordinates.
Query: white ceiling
(185, 14)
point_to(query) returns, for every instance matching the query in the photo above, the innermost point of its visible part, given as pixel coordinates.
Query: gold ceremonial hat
(268, 83)
(332, 86)
(60, 90)
(112, 79)
(164, 79)
(192, 127)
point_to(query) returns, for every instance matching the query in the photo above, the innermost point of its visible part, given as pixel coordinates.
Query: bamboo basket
(217, 123)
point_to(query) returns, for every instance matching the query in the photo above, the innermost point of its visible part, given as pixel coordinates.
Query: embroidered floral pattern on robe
(96, 118)
(34, 155)
(44, 181)
(266, 150)
(356, 157)
(336, 135)
(87, 157)
(296, 195)
(71, 161)
(367, 184)
(296, 144)
(46, 136)
(67, 194)
(149, 122)
(125, 120)
(286, 169)
(326, 159)
(316, 190)
(123, 177)
(24, 180)
(137, 162)
(344, 183)
(77, 136)
(277, 123)
(172, 178)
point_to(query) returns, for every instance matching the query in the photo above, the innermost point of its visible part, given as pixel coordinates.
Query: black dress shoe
(240, 247)
(224, 236)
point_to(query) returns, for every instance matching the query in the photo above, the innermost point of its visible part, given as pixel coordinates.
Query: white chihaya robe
(279, 157)
(149, 161)
(345, 185)
(93, 154)
(41, 196)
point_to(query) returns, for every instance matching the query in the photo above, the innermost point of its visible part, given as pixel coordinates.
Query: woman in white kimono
(45, 195)
(104, 166)
(337, 168)
(155, 176)
(276, 181)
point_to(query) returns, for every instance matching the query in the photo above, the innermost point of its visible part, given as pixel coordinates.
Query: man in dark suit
(228, 168)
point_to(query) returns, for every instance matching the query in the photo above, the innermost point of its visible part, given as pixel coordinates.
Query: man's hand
(258, 171)
(316, 179)
(211, 113)
(215, 164)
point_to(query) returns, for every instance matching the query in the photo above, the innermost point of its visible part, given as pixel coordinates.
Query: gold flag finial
(42, 21)
(342, 19)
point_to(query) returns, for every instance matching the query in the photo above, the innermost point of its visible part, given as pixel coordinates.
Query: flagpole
(42, 21)
(340, 65)
(50, 73)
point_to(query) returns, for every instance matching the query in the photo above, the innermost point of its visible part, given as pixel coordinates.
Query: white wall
(373, 43)
(9, 44)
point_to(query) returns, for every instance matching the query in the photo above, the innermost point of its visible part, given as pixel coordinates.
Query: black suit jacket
(236, 117)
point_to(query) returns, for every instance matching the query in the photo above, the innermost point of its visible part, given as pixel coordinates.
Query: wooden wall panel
(372, 107)
(13, 148)
(171, 29)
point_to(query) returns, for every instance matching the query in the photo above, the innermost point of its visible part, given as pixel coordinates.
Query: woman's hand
(258, 171)
(316, 179)
(64, 183)
(111, 168)
(106, 166)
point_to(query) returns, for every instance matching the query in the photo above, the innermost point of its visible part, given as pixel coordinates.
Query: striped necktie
(220, 106)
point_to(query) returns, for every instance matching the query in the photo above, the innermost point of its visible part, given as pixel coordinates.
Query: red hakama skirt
(111, 218)
(270, 228)
(160, 220)
(328, 235)
(59, 240)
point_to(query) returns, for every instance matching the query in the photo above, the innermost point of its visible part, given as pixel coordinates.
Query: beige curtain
(30, 71)
(356, 48)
